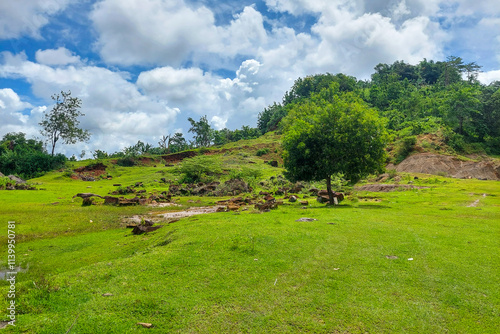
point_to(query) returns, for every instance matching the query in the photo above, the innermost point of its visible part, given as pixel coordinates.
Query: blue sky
(142, 67)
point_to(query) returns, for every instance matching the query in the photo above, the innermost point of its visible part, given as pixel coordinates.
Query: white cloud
(26, 17)
(151, 31)
(488, 77)
(14, 115)
(116, 112)
(59, 56)
(10, 101)
(171, 32)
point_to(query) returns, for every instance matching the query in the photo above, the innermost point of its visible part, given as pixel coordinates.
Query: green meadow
(425, 260)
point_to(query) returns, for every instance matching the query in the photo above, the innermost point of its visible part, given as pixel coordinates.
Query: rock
(16, 179)
(145, 324)
(140, 229)
(273, 163)
(107, 294)
(304, 202)
(117, 185)
(87, 195)
(306, 220)
(110, 200)
(324, 198)
(292, 199)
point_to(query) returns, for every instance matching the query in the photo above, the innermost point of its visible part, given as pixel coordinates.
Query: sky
(143, 67)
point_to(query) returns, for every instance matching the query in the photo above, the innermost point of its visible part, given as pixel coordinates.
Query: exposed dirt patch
(90, 172)
(436, 164)
(387, 187)
(178, 157)
(189, 212)
(172, 216)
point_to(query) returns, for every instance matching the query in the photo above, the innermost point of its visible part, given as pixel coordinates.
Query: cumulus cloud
(171, 32)
(26, 17)
(488, 77)
(59, 56)
(151, 31)
(14, 114)
(116, 112)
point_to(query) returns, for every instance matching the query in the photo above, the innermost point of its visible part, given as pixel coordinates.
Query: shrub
(403, 147)
(262, 152)
(126, 162)
(200, 168)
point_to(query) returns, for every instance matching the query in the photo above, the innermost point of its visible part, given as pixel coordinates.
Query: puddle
(7, 273)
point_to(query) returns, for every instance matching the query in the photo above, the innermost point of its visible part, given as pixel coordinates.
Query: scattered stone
(292, 199)
(304, 202)
(107, 294)
(306, 220)
(145, 324)
(16, 179)
(392, 257)
(140, 229)
(117, 185)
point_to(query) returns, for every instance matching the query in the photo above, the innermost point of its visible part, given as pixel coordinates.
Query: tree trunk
(329, 189)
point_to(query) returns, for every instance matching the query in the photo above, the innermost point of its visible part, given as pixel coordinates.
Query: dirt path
(174, 215)
(475, 203)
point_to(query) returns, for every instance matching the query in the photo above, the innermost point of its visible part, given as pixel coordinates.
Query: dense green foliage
(200, 168)
(26, 158)
(332, 133)
(430, 97)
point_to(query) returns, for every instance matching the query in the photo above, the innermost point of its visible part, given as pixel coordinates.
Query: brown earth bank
(436, 164)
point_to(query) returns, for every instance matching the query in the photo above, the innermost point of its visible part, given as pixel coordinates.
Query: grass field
(416, 261)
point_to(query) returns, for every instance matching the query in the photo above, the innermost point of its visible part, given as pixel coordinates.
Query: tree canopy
(62, 121)
(332, 133)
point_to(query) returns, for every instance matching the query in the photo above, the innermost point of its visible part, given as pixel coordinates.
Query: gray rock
(306, 220)
(16, 179)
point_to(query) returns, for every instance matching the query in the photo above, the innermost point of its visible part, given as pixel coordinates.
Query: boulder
(16, 179)
(292, 199)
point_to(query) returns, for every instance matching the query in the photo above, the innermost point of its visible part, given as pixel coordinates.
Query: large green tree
(62, 121)
(332, 133)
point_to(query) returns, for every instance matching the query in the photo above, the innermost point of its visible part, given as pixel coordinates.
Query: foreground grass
(263, 273)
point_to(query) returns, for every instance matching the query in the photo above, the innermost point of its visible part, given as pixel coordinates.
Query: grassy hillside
(421, 260)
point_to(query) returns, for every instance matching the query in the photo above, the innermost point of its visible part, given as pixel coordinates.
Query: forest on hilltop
(442, 98)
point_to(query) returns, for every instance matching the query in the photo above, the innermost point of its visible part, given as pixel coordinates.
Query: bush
(126, 162)
(404, 147)
(492, 144)
(30, 164)
(262, 152)
(200, 168)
